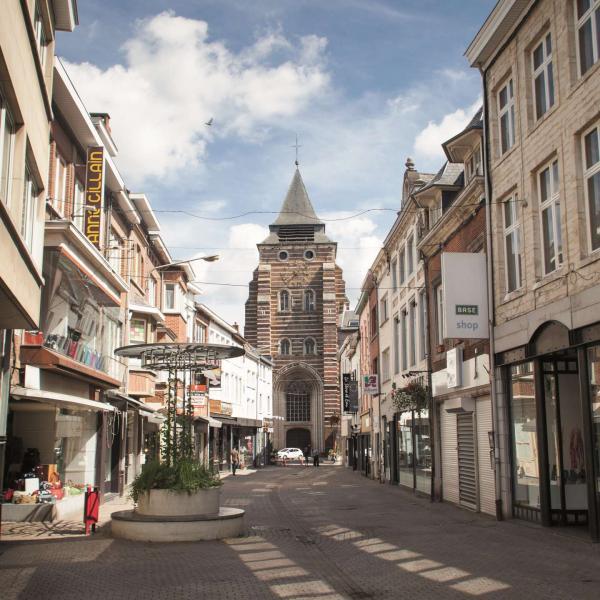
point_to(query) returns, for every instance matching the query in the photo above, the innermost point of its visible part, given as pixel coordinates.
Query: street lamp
(209, 258)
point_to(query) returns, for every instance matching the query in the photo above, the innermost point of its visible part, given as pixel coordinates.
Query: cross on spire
(296, 146)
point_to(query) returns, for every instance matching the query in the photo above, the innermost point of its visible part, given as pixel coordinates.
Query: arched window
(285, 347)
(310, 346)
(284, 300)
(297, 402)
(309, 301)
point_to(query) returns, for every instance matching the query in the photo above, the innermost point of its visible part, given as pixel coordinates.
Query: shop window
(512, 244)
(543, 76)
(591, 150)
(506, 117)
(550, 220)
(588, 33)
(526, 476)
(7, 147)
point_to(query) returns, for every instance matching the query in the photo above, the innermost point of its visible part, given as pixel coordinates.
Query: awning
(147, 310)
(211, 422)
(115, 396)
(62, 400)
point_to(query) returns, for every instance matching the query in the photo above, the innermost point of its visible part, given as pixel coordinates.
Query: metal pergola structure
(181, 362)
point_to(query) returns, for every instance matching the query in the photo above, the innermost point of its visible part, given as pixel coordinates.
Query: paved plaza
(319, 534)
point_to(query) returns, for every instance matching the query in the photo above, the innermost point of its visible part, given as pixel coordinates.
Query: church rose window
(297, 402)
(283, 255)
(309, 254)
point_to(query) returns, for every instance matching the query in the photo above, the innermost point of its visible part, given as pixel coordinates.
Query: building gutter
(490, 297)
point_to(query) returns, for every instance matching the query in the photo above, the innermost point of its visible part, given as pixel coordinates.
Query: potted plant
(180, 489)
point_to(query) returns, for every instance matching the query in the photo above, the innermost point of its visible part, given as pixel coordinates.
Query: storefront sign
(370, 384)
(454, 367)
(94, 195)
(221, 408)
(464, 284)
(350, 392)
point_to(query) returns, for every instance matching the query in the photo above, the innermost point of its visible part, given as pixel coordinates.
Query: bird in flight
(209, 122)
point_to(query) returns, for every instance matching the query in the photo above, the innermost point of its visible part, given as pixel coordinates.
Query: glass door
(594, 397)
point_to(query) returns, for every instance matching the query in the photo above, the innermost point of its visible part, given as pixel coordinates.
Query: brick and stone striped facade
(299, 259)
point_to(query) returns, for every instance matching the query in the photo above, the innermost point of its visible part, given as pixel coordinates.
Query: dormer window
(473, 165)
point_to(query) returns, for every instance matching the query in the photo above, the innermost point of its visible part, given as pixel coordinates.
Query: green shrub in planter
(184, 476)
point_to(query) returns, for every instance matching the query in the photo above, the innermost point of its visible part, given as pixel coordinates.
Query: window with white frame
(422, 324)
(30, 194)
(383, 309)
(385, 364)
(60, 185)
(284, 300)
(512, 244)
(543, 76)
(170, 296)
(412, 330)
(78, 204)
(310, 346)
(41, 41)
(7, 147)
(473, 164)
(587, 13)
(591, 151)
(309, 300)
(506, 116)
(393, 268)
(285, 347)
(404, 339)
(410, 255)
(402, 266)
(151, 291)
(438, 293)
(396, 345)
(550, 217)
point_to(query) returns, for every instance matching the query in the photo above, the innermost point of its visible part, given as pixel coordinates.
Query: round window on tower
(283, 255)
(309, 254)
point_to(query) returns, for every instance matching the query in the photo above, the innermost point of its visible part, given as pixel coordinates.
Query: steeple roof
(297, 208)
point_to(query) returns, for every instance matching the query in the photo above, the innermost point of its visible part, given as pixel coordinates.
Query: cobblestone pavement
(318, 534)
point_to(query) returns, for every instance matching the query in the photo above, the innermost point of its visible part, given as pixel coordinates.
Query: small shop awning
(63, 400)
(211, 422)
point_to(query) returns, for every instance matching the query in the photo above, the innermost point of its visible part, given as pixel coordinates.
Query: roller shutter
(449, 456)
(487, 494)
(467, 477)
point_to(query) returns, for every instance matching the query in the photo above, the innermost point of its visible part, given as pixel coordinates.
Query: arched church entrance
(299, 437)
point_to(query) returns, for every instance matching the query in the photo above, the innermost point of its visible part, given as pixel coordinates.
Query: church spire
(297, 208)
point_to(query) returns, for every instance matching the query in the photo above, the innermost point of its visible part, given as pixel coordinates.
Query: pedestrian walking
(306, 453)
(235, 460)
(316, 458)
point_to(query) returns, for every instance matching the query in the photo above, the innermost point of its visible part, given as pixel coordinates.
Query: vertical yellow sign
(94, 194)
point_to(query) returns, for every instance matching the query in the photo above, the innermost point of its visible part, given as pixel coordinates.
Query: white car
(290, 453)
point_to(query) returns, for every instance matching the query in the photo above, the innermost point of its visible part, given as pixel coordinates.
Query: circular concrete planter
(169, 503)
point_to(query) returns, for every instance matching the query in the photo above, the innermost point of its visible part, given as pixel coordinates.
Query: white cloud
(173, 79)
(428, 143)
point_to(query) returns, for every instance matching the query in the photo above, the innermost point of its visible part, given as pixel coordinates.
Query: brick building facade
(295, 302)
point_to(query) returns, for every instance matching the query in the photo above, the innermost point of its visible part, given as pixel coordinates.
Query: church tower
(296, 299)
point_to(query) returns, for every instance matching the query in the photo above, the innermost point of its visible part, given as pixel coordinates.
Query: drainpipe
(490, 298)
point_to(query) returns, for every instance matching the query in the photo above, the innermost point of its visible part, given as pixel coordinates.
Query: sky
(364, 84)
